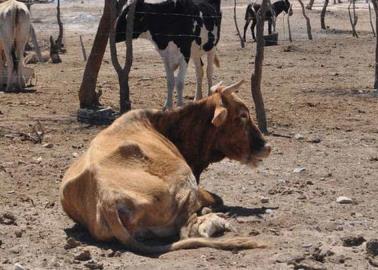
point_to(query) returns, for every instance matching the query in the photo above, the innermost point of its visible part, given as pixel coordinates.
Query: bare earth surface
(321, 108)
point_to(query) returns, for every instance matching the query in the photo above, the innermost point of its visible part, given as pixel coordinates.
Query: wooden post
(257, 74)
(322, 15)
(310, 4)
(371, 20)
(308, 23)
(59, 40)
(237, 27)
(123, 73)
(375, 5)
(35, 43)
(83, 49)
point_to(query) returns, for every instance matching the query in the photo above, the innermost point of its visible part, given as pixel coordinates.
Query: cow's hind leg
(10, 67)
(170, 84)
(180, 80)
(199, 76)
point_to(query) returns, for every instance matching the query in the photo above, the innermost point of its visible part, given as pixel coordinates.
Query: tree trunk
(322, 15)
(123, 73)
(310, 4)
(375, 5)
(88, 96)
(237, 27)
(353, 21)
(257, 74)
(59, 40)
(308, 23)
(371, 20)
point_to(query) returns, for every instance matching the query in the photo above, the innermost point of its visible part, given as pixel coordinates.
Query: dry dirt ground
(320, 106)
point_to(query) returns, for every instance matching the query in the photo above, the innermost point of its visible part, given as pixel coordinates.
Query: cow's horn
(229, 89)
(214, 88)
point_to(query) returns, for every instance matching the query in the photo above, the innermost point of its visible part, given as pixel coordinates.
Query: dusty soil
(323, 121)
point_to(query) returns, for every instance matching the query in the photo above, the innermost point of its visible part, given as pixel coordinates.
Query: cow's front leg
(245, 29)
(270, 22)
(180, 81)
(209, 199)
(253, 25)
(210, 70)
(170, 84)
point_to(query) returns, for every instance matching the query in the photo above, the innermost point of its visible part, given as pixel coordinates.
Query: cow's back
(129, 163)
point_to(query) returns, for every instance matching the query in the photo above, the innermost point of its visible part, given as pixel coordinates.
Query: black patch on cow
(178, 21)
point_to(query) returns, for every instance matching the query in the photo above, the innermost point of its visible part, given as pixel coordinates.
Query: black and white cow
(180, 30)
(270, 15)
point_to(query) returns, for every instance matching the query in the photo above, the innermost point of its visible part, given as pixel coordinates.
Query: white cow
(14, 34)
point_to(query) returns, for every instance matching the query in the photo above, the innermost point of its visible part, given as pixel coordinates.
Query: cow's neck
(191, 131)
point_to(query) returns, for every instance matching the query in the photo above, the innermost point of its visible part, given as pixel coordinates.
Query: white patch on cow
(195, 23)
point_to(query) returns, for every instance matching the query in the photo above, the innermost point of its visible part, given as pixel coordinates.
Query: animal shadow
(239, 211)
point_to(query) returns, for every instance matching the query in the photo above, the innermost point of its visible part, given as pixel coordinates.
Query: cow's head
(237, 138)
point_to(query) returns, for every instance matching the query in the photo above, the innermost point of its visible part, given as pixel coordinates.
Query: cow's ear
(220, 116)
(216, 88)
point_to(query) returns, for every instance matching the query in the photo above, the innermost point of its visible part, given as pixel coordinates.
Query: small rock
(18, 266)
(344, 200)
(75, 154)
(94, 265)
(315, 140)
(19, 233)
(298, 137)
(352, 241)
(264, 200)
(268, 211)
(309, 182)
(83, 256)
(299, 169)
(8, 219)
(14, 250)
(372, 247)
(114, 253)
(253, 232)
(373, 261)
(48, 145)
(71, 243)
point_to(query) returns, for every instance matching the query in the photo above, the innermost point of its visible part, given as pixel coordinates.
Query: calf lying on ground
(138, 177)
(14, 34)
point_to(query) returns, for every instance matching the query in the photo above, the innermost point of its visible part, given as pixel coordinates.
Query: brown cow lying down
(137, 178)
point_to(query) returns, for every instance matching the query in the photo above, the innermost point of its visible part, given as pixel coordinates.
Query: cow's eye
(244, 116)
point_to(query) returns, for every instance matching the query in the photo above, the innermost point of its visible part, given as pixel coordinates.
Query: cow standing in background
(277, 8)
(14, 34)
(180, 30)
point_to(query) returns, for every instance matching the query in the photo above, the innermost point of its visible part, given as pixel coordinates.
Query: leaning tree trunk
(308, 23)
(237, 27)
(322, 15)
(59, 40)
(123, 73)
(88, 96)
(375, 5)
(257, 74)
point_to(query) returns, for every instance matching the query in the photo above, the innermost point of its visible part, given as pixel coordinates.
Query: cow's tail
(113, 220)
